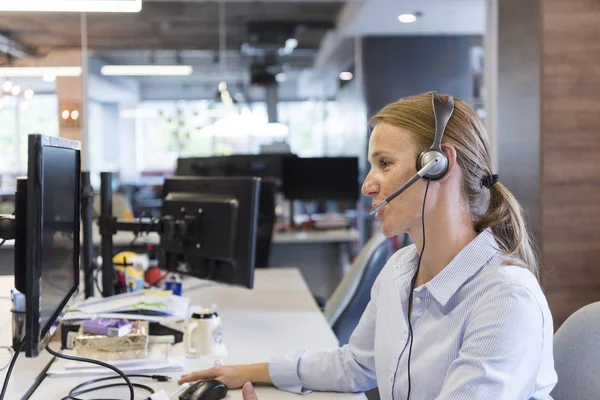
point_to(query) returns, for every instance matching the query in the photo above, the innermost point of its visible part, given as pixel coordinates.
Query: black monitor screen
(53, 218)
(58, 230)
(327, 178)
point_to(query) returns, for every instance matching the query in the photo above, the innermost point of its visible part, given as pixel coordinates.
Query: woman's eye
(384, 164)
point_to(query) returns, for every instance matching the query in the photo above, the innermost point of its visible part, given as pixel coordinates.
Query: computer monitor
(51, 266)
(260, 165)
(205, 166)
(268, 167)
(223, 246)
(327, 178)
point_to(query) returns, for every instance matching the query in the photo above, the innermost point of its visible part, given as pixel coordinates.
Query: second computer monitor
(223, 246)
(326, 178)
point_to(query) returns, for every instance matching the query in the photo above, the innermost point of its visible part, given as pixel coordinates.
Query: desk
(321, 256)
(277, 316)
(29, 368)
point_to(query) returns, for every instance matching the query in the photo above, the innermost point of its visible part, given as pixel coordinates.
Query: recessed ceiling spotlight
(407, 18)
(346, 75)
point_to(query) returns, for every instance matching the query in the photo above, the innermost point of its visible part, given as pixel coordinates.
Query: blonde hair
(494, 208)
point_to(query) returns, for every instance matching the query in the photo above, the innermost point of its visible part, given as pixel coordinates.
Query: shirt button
(418, 300)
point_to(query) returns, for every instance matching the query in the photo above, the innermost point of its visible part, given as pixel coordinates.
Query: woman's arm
(350, 368)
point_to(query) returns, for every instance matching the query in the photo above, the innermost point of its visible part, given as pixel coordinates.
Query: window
(168, 130)
(17, 121)
(40, 116)
(8, 136)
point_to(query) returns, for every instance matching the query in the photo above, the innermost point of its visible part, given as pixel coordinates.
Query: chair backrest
(577, 355)
(349, 300)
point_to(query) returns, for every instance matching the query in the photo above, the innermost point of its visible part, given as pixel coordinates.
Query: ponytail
(505, 218)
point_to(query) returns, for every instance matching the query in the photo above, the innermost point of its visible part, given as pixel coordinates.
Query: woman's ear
(450, 152)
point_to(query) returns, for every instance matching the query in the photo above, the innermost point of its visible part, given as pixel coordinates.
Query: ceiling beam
(14, 49)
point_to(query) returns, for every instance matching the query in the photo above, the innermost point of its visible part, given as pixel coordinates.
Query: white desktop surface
(28, 368)
(278, 316)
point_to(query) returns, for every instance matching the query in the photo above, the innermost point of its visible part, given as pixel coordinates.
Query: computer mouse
(210, 389)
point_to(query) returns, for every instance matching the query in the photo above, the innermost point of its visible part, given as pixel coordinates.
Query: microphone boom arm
(420, 174)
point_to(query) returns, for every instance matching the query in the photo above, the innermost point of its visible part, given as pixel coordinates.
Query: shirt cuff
(283, 371)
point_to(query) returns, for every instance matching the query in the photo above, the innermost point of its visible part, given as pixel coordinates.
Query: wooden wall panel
(570, 154)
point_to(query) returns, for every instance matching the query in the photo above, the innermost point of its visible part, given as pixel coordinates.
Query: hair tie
(489, 180)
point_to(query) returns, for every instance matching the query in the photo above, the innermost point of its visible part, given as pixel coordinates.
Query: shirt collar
(466, 264)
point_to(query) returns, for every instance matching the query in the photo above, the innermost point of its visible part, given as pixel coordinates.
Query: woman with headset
(459, 314)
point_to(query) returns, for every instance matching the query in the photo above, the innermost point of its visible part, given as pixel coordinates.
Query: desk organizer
(107, 348)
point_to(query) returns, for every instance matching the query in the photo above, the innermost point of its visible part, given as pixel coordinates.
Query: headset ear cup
(439, 170)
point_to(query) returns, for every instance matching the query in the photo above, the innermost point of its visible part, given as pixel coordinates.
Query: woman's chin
(387, 230)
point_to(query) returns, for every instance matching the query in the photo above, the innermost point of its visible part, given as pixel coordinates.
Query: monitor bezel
(38, 336)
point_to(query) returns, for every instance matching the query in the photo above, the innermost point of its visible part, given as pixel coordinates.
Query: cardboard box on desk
(106, 348)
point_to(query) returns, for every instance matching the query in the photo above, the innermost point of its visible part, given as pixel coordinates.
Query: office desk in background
(278, 316)
(321, 256)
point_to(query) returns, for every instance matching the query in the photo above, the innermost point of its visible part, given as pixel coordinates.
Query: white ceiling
(438, 17)
(380, 18)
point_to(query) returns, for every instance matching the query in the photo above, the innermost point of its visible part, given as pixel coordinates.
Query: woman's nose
(370, 187)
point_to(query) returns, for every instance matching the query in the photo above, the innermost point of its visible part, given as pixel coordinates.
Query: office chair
(349, 300)
(577, 355)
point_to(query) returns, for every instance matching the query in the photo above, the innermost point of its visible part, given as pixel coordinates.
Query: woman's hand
(233, 376)
(248, 392)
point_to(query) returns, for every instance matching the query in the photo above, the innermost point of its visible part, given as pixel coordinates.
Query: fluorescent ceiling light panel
(146, 70)
(131, 6)
(40, 71)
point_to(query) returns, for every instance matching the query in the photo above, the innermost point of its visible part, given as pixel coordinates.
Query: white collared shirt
(481, 330)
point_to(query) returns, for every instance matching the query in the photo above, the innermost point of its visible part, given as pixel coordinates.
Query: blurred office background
(206, 79)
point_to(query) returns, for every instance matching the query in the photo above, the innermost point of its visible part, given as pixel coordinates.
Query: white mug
(203, 335)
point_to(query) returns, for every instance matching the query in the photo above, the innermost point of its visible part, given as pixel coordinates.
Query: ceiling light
(291, 43)
(146, 70)
(280, 77)
(72, 5)
(16, 89)
(407, 18)
(346, 75)
(222, 86)
(28, 94)
(65, 114)
(74, 114)
(7, 86)
(40, 71)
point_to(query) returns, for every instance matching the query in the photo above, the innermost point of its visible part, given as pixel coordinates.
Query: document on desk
(159, 359)
(145, 303)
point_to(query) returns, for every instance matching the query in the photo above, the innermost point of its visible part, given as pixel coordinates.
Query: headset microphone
(432, 163)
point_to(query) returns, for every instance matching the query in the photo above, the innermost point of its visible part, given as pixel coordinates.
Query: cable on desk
(76, 391)
(12, 353)
(11, 366)
(100, 363)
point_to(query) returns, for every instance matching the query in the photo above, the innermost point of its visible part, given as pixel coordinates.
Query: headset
(432, 164)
